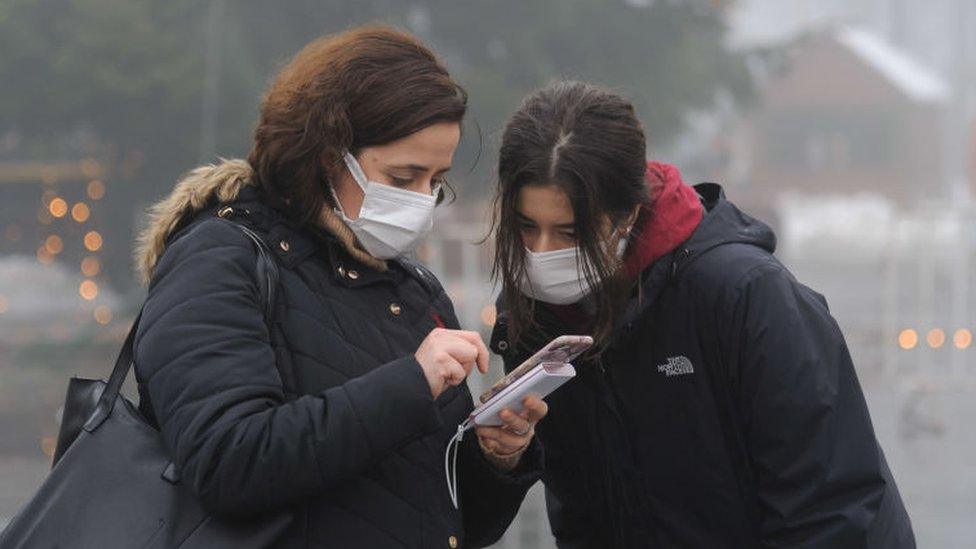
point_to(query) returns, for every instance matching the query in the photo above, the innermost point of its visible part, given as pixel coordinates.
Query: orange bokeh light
(93, 241)
(908, 339)
(80, 212)
(90, 266)
(488, 315)
(53, 244)
(962, 339)
(58, 207)
(88, 289)
(102, 314)
(935, 338)
(96, 189)
(44, 257)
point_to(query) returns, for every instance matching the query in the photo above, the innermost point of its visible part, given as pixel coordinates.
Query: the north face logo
(676, 366)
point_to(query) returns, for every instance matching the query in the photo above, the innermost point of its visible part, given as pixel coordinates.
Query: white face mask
(556, 277)
(391, 221)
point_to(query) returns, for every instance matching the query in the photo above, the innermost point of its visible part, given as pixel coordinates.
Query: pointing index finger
(475, 339)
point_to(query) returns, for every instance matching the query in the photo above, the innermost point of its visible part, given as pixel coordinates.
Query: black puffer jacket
(726, 412)
(327, 414)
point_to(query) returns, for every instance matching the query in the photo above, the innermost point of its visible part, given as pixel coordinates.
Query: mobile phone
(560, 351)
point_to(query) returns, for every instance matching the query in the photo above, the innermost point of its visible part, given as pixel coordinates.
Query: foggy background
(847, 125)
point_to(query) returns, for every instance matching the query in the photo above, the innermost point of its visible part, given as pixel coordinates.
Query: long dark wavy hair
(587, 141)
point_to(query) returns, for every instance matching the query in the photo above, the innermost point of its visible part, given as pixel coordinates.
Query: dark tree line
(127, 79)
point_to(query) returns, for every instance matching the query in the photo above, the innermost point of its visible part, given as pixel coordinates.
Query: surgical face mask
(556, 277)
(391, 221)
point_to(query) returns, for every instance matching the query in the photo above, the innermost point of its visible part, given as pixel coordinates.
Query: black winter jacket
(726, 412)
(323, 409)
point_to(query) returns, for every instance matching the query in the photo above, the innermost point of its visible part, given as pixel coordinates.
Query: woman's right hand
(448, 356)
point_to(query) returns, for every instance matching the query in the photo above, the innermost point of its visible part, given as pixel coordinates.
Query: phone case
(545, 378)
(560, 350)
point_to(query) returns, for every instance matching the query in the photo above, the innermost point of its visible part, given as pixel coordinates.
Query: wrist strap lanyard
(450, 460)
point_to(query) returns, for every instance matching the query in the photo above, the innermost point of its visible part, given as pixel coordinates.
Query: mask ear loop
(624, 239)
(356, 170)
(358, 175)
(450, 460)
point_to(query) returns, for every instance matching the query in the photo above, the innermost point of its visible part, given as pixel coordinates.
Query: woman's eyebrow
(417, 168)
(522, 217)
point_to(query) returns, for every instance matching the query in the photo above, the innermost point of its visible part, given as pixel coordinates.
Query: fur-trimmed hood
(224, 182)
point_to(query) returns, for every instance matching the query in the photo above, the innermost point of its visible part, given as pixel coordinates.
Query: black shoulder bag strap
(267, 279)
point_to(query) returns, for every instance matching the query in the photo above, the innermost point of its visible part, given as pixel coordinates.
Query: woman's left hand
(517, 430)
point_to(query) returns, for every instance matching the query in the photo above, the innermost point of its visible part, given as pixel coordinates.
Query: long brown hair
(587, 141)
(363, 87)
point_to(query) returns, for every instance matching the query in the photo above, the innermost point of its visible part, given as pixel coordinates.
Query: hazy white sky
(928, 33)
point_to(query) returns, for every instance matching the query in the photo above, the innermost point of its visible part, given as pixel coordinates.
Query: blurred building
(938, 35)
(847, 112)
(850, 155)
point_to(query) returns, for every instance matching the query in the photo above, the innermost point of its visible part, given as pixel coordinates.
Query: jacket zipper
(613, 402)
(676, 262)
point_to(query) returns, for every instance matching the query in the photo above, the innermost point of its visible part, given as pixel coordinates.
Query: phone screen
(560, 350)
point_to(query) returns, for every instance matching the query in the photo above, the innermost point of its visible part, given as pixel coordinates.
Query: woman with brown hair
(721, 408)
(337, 404)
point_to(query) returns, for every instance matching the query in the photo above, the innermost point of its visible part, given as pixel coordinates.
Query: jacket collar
(212, 187)
(349, 266)
(722, 224)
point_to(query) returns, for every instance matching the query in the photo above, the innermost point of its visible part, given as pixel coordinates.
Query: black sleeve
(490, 498)
(571, 524)
(813, 450)
(203, 352)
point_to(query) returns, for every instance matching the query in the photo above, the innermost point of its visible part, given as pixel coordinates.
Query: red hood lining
(669, 219)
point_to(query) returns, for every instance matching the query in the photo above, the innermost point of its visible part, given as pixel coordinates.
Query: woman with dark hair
(720, 407)
(336, 407)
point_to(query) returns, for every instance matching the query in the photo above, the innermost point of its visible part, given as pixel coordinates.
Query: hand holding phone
(540, 374)
(504, 403)
(517, 430)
